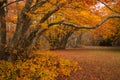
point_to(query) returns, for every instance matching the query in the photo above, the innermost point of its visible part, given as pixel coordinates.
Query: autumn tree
(57, 36)
(110, 28)
(34, 19)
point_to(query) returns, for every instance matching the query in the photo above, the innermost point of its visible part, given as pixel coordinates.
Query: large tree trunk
(2, 29)
(23, 37)
(23, 24)
(21, 28)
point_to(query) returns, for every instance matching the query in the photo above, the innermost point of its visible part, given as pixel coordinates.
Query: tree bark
(2, 29)
(23, 24)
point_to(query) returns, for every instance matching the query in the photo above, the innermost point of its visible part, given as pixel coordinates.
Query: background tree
(107, 30)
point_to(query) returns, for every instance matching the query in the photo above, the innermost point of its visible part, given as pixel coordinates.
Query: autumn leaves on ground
(96, 64)
(91, 63)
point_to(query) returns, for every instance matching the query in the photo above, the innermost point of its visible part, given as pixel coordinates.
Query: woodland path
(97, 63)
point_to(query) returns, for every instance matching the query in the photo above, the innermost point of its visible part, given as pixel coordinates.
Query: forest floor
(97, 63)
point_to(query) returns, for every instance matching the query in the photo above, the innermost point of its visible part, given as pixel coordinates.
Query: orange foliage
(40, 65)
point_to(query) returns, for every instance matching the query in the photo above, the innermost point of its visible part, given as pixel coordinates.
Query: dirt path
(97, 64)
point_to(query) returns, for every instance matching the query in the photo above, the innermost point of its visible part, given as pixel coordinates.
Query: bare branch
(85, 27)
(11, 3)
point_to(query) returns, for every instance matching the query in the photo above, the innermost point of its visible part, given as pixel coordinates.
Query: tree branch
(109, 7)
(55, 23)
(34, 7)
(11, 3)
(85, 27)
(47, 15)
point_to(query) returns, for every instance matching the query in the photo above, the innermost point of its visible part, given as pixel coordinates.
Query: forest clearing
(102, 63)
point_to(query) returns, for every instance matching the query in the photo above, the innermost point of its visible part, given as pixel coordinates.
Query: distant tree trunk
(60, 40)
(60, 44)
(2, 29)
(75, 40)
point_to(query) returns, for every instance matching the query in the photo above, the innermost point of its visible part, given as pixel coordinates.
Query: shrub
(37, 67)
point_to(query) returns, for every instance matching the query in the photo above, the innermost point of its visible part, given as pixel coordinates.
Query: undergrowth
(38, 66)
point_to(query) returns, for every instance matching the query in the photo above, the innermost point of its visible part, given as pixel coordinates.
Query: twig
(11, 3)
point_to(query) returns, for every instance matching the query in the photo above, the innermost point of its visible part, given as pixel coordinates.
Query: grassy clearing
(96, 63)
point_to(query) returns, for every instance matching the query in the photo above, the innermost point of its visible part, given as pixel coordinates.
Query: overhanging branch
(39, 4)
(85, 27)
(11, 3)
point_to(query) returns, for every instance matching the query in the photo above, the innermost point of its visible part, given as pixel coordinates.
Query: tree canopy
(32, 18)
